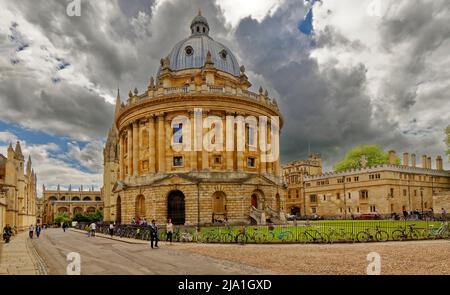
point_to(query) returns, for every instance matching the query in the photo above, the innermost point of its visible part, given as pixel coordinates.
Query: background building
(69, 202)
(294, 175)
(385, 189)
(17, 190)
(145, 178)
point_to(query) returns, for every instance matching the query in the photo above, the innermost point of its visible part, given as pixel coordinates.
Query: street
(101, 256)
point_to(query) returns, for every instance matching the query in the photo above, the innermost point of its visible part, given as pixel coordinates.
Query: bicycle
(404, 233)
(367, 236)
(256, 236)
(229, 236)
(440, 233)
(341, 235)
(284, 236)
(312, 235)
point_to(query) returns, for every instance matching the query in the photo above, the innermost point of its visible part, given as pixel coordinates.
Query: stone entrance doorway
(176, 207)
(119, 210)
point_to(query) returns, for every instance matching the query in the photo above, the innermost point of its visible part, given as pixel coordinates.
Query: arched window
(87, 199)
(98, 198)
(75, 199)
(198, 29)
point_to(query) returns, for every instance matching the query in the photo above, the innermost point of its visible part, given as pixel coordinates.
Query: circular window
(189, 50)
(223, 54)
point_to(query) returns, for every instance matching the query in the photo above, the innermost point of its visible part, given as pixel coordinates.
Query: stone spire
(118, 103)
(29, 165)
(18, 151)
(10, 152)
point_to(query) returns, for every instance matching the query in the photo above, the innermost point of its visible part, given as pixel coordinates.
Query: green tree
(372, 155)
(61, 217)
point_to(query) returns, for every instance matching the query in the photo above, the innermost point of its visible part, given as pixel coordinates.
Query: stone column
(136, 147)
(193, 152)
(161, 144)
(269, 165)
(205, 153)
(239, 154)
(121, 156)
(130, 150)
(229, 154)
(152, 145)
(262, 165)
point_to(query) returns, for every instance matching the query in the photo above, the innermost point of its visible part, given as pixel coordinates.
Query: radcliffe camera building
(145, 177)
(18, 195)
(385, 189)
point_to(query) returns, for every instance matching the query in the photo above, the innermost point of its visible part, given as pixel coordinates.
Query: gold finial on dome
(199, 12)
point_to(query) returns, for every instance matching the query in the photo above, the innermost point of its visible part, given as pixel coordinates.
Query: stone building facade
(385, 189)
(294, 176)
(17, 189)
(69, 202)
(165, 155)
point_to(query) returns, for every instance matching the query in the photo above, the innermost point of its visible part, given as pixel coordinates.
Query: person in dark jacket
(154, 234)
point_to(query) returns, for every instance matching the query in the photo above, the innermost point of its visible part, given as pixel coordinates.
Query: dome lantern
(199, 25)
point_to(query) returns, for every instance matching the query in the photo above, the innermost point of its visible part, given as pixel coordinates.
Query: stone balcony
(161, 92)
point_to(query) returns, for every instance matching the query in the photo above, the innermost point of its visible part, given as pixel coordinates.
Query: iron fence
(320, 231)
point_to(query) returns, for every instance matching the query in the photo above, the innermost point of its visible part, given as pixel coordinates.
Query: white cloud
(7, 137)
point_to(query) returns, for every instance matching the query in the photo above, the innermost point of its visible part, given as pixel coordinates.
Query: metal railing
(322, 231)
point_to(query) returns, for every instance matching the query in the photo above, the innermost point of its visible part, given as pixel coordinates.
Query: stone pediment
(259, 179)
(175, 179)
(119, 186)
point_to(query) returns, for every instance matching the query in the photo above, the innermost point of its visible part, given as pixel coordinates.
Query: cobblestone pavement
(106, 256)
(416, 257)
(19, 257)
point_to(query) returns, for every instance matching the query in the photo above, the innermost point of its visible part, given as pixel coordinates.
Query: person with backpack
(154, 234)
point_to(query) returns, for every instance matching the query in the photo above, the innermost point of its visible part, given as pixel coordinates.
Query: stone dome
(192, 51)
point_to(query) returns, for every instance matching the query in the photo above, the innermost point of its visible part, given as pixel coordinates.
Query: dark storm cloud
(327, 109)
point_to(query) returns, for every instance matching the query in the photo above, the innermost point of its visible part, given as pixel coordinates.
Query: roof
(192, 51)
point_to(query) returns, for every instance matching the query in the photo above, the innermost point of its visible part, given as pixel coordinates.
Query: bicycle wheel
(287, 236)
(382, 236)
(270, 236)
(259, 237)
(226, 238)
(363, 237)
(414, 235)
(241, 238)
(398, 235)
(319, 238)
(306, 238)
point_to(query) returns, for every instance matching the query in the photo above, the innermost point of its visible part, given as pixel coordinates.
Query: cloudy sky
(345, 72)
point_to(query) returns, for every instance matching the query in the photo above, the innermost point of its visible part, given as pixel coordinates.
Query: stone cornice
(161, 104)
(380, 168)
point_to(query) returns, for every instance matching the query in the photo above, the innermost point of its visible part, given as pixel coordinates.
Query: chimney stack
(392, 157)
(405, 159)
(413, 160)
(424, 161)
(439, 165)
(429, 163)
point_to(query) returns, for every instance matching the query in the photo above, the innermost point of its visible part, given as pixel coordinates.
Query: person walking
(169, 230)
(443, 213)
(38, 230)
(154, 234)
(111, 230)
(31, 231)
(93, 228)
